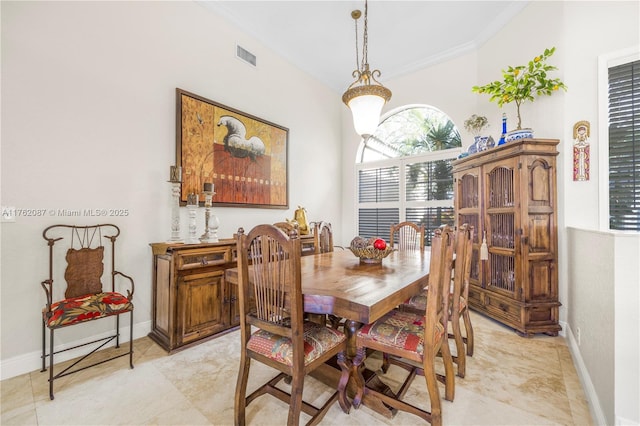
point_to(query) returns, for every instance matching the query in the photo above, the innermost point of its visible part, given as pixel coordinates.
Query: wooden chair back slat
(407, 236)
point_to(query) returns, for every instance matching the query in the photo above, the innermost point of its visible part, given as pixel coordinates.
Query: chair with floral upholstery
(271, 301)
(459, 296)
(413, 337)
(84, 299)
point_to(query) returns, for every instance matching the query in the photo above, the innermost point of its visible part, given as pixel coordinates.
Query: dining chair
(410, 237)
(407, 236)
(287, 226)
(271, 301)
(323, 237)
(413, 337)
(85, 299)
(323, 242)
(307, 245)
(459, 296)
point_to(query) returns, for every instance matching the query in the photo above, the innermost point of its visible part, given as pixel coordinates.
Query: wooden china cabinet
(191, 298)
(508, 193)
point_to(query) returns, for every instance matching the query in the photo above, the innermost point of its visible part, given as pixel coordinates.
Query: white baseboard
(33, 361)
(563, 329)
(590, 392)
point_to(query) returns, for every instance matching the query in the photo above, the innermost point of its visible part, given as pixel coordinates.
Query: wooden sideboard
(191, 299)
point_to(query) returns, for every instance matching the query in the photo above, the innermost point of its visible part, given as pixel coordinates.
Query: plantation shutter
(379, 185)
(624, 147)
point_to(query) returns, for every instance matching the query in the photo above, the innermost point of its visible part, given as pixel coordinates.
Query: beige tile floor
(510, 380)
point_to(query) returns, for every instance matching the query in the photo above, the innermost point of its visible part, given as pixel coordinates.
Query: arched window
(403, 171)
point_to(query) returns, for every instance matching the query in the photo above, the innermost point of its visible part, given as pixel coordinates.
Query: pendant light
(365, 96)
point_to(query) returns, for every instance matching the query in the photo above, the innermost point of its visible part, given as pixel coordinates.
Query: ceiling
(318, 36)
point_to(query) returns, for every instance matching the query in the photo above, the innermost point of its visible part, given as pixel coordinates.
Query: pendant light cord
(365, 38)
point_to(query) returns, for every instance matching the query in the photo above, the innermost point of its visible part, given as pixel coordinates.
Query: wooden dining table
(338, 283)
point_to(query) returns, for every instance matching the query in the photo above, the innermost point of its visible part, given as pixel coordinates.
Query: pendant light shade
(365, 97)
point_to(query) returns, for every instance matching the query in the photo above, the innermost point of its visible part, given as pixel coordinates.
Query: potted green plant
(523, 83)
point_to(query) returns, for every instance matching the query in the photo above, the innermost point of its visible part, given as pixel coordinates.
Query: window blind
(379, 185)
(432, 218)
(430, 180)
(377, 222)
(624, 147)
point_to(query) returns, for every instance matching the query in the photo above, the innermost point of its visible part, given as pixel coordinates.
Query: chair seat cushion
(88, 307)
(419, 301)
(318, 339)
(397, 329)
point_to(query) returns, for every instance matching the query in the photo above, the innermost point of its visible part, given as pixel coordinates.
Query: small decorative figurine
(581, 154)
(300, 217)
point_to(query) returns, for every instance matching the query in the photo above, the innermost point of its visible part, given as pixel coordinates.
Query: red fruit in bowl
(380, 244)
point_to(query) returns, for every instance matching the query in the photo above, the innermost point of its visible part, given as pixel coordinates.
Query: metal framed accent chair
(459, 296)
(271, 301)
(414, 337)
(84, 299)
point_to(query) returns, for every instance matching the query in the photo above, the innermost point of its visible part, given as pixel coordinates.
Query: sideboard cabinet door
(200, 310)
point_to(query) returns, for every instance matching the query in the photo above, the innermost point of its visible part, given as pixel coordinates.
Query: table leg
(372, 380)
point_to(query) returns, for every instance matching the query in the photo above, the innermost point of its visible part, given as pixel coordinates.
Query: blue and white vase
(515, 135)
(473, 148)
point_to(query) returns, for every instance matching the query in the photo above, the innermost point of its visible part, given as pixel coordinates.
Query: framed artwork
(244, 158)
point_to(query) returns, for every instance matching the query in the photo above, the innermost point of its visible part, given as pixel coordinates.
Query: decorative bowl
(515, 135)
(371, 254)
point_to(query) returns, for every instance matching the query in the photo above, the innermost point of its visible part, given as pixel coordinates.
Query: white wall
(627, 330)
(593, 318)
(604, 319)
(88, 121)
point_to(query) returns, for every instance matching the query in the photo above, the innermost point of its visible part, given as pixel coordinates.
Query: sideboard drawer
(199, 258)
(502, 308)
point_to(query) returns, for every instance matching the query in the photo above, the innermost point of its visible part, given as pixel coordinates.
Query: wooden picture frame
(243, 156)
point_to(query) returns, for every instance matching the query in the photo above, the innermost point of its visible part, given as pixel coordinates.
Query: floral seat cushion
(318, 339)
(83, 308)
(419, 301)
(397, 329)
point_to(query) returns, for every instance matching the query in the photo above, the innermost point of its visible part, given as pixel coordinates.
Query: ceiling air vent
(245, 55)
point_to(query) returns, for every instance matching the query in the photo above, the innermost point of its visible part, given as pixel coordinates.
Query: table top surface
(337, 283)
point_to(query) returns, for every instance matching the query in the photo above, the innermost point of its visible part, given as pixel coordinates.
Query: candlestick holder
(211, 222)
(192, 206)
(175, 213)
(175, 178)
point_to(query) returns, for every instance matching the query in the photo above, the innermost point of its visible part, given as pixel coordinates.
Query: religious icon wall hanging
(581, 151)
